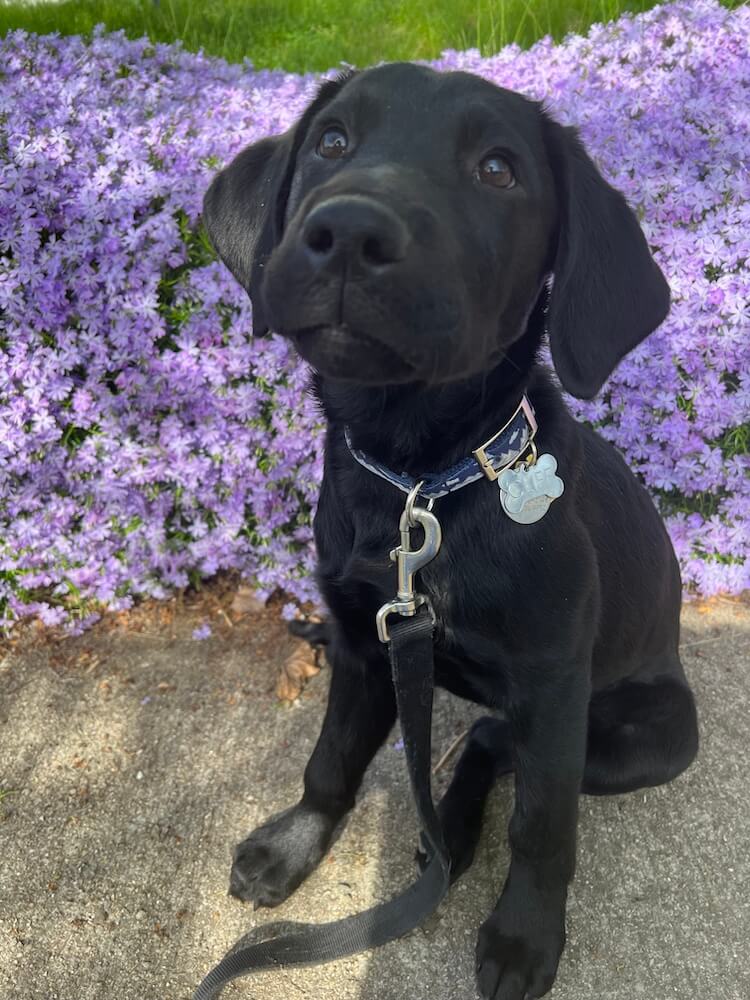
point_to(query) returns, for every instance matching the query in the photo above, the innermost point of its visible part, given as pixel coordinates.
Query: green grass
(306, 35)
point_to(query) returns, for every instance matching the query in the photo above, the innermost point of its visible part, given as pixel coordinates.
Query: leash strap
(412, 666)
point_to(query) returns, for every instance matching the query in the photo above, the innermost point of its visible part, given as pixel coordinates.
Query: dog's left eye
(495, 170)
(333, 143)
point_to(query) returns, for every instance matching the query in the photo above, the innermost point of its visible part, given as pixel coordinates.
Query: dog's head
(404, 228)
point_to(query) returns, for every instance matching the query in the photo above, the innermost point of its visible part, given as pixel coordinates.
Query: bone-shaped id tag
(527, 490)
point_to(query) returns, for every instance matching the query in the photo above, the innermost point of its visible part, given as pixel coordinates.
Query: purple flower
(202, 632)
(146, 437)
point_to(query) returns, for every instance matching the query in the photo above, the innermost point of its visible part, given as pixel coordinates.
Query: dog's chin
(338, 352)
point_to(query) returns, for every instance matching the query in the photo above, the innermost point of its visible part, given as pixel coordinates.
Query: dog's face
(404, 229)
(416, 231)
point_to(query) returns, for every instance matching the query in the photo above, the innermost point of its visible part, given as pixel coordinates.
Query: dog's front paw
(518, 964)
(276, 858)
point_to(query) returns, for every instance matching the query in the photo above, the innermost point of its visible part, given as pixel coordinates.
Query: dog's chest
(481, 584)
(467, 586)
(469, 670)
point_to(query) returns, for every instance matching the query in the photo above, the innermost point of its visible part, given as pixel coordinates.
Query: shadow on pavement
(138, 762)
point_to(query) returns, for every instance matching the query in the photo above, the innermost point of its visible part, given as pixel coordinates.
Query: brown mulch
(225, 603)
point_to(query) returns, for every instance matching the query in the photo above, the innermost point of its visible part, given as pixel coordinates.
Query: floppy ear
(608, 293)
(244, 207)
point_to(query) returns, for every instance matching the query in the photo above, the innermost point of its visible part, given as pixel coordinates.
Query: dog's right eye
(333, 143)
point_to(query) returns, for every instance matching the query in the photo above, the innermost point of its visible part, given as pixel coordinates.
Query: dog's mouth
(337, 351)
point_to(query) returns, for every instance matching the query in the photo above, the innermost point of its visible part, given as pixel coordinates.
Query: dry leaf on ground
(245, 602)
(298, 667)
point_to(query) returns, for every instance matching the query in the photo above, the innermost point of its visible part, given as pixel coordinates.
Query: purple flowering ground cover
(147, 441)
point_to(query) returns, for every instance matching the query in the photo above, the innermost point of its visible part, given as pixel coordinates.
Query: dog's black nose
(354, 229)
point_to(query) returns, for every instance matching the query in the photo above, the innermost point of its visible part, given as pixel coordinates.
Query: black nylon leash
(412, 667)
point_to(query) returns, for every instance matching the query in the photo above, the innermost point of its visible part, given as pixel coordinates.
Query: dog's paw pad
(514, 967)
(272, 862)
(258, 876)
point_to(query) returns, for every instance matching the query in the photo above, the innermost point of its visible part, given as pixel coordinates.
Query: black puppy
(402, 235)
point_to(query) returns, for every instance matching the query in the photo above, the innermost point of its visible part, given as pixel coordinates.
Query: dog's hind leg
(641, 733)
(485, 757)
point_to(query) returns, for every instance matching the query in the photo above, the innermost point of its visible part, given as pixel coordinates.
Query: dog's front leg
(520, 944)
(272, 862)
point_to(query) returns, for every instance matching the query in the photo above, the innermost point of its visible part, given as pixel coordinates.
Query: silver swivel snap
(409, 561)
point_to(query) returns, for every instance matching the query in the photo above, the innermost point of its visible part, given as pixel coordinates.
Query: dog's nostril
(320, 239)
(374, 251)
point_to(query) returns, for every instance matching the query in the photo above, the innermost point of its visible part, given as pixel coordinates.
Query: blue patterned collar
(502, 450)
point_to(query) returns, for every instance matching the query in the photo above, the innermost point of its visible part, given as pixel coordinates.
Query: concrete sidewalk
(139, 758)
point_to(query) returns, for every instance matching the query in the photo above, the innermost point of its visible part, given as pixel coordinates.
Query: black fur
(420, 296)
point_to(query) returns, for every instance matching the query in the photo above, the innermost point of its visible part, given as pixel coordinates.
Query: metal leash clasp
(409, 561)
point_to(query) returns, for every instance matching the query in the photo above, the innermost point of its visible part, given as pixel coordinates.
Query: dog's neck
(414, 428)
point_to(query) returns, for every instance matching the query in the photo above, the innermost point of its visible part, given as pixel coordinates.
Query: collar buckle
(480, 454)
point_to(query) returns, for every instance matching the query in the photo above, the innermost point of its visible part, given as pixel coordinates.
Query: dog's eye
(495, 170)
(333, 143)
